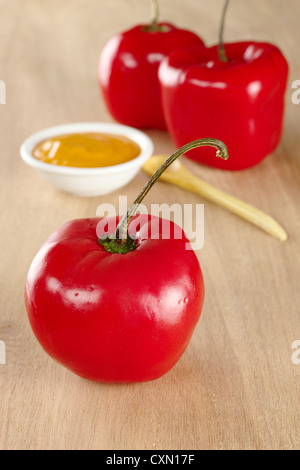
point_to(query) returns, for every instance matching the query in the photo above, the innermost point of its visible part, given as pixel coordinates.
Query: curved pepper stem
(221, 52)
(155, 15)
(121, 242)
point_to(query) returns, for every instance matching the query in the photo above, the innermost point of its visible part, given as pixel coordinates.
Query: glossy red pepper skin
(128, 72)
(241, 102)
(111, 317)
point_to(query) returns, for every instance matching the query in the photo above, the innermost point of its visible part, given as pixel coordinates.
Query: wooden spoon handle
(238, 207)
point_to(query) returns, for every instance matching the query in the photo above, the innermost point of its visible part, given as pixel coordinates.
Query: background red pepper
(112, 317)
(240, 101)
(128, 72)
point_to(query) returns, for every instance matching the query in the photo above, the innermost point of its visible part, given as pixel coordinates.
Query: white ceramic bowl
(88, 181)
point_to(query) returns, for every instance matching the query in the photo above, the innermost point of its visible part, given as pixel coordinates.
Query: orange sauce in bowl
(87, 150)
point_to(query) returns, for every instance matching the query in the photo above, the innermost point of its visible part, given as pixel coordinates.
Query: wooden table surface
(236, 386)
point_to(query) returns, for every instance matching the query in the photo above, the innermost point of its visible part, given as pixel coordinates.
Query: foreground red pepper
(234, 91)
(128, 71)
(117, 309)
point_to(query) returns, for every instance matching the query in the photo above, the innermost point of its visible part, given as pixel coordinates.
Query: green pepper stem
(221, 52)
(155, 15)
(122, 228)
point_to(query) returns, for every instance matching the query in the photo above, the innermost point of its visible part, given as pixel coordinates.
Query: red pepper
(234, 91)
(128, 71)
(117, 309)
(110, 317)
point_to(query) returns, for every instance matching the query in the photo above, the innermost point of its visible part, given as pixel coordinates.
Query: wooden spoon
(179, 175)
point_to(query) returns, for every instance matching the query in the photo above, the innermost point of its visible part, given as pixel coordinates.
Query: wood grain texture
(236, 386)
